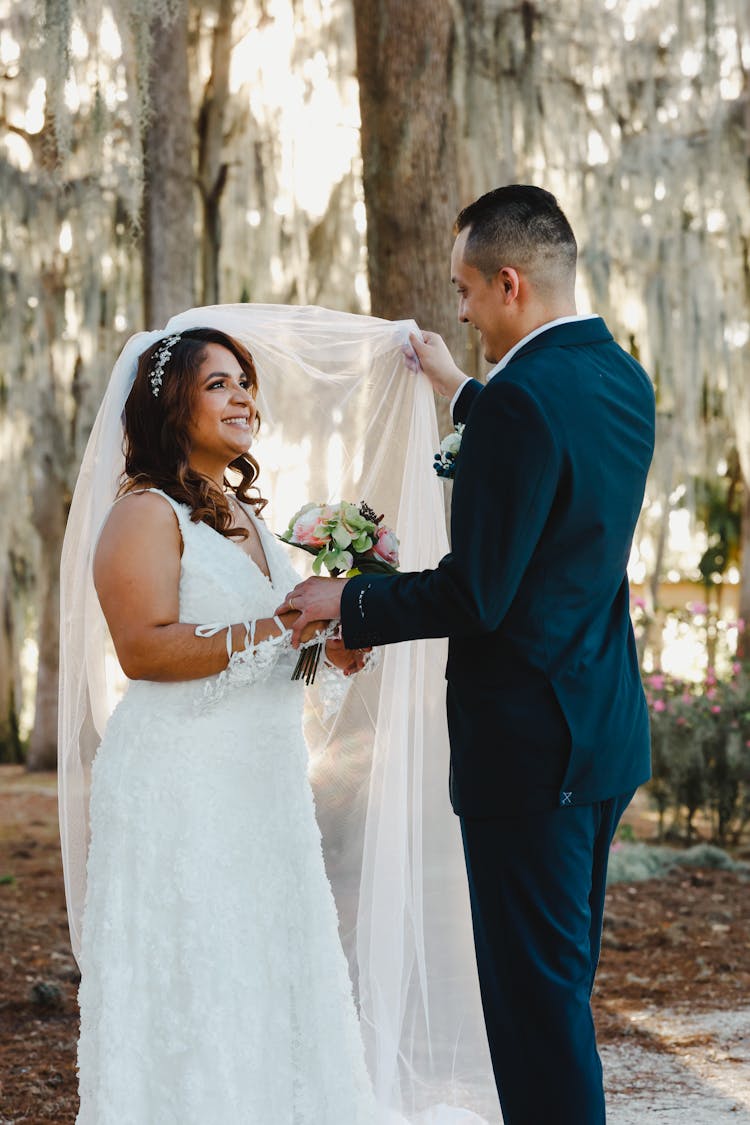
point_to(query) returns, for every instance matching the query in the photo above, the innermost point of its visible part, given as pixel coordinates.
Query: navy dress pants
(537, 898)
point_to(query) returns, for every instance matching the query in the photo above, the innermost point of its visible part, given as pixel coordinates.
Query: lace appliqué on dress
(250, 665)
(255, 662)
(333, 685)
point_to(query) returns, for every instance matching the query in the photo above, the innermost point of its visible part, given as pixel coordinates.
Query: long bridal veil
(342, 418)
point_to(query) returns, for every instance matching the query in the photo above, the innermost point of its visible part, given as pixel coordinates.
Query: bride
(215, 989)
(204, 818)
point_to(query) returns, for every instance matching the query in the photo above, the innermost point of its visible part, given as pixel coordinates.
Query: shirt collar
(537, 332)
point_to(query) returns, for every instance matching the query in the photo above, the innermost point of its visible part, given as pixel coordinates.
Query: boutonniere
(445, 460)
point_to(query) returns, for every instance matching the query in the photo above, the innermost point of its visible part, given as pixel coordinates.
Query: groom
(547, 718)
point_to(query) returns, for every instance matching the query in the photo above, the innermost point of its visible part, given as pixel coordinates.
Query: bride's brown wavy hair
(157, 441)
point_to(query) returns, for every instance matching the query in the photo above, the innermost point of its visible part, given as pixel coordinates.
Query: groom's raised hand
(316, 599)
(437, 363)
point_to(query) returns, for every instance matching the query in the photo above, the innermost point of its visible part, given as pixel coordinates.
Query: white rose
(451, 444)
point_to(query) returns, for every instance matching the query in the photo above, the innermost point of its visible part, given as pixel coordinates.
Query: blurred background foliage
(161, 155)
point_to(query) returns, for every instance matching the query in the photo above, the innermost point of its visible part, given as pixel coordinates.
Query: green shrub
(635, 862)
(700, 736)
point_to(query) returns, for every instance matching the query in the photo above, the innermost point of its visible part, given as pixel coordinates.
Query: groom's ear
(508, 283)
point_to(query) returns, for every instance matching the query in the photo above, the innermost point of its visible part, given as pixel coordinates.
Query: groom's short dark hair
(522, 226)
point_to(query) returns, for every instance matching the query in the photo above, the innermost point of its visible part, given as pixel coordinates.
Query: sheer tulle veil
(342, 418)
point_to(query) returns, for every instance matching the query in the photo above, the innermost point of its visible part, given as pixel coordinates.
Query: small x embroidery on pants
(566, 799)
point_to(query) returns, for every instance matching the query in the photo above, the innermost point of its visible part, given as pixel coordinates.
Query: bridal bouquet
(344, 538)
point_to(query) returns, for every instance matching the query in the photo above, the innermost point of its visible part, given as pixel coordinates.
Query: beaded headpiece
(160, 360)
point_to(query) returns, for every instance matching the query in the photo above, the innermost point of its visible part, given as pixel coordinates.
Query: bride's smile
(223, 413)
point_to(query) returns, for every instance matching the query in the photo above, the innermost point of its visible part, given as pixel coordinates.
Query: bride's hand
(311, 629)
(348, 660)
(314, 600)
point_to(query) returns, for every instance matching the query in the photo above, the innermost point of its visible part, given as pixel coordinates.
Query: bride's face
(223, 415)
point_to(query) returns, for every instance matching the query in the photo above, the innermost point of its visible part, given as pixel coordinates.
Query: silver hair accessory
(161, 357)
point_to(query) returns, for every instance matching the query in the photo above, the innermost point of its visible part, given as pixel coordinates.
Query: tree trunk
(168, 207)
(409, 154)
(43, 742)
(743, 611)
(212, 172)
(49, 496)
(10, 741)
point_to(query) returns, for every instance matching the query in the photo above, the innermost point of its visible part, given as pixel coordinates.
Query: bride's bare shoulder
(143, 503)
(139, 517)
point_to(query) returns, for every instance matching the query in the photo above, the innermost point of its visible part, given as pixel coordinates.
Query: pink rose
(736, 668)
(716, 710)
(386, 546)
(657, 682)
(660, 705)
(698, 608)
(308, 529)
(639, 603)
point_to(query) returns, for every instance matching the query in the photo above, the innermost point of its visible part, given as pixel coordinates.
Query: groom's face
(481, 302)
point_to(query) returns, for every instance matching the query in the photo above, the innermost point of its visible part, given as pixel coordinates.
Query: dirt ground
(672, 1002)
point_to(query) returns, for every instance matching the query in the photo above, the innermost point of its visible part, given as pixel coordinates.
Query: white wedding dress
(214, 988)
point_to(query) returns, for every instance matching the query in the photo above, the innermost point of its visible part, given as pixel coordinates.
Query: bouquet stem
(307, 664)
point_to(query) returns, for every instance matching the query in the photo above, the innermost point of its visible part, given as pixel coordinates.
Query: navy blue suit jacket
(545, 703)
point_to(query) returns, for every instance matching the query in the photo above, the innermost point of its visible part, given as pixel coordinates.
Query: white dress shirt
(516, 347)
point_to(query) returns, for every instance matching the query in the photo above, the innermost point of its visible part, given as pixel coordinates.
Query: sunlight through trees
(160, 155)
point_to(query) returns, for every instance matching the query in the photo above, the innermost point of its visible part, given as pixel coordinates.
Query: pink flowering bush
(700, 737)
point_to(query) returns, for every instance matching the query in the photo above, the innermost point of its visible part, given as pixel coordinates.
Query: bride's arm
(137, 574)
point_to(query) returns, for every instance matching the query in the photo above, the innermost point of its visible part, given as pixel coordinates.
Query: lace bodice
(220, 585)
(218, 579)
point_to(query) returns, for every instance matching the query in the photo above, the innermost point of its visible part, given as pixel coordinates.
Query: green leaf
(357, 522)
(301, 546)
(363, 542)
(339, 560)
(341, 537)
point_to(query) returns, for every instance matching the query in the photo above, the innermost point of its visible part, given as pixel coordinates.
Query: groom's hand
(437, 363)
(317, 599)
